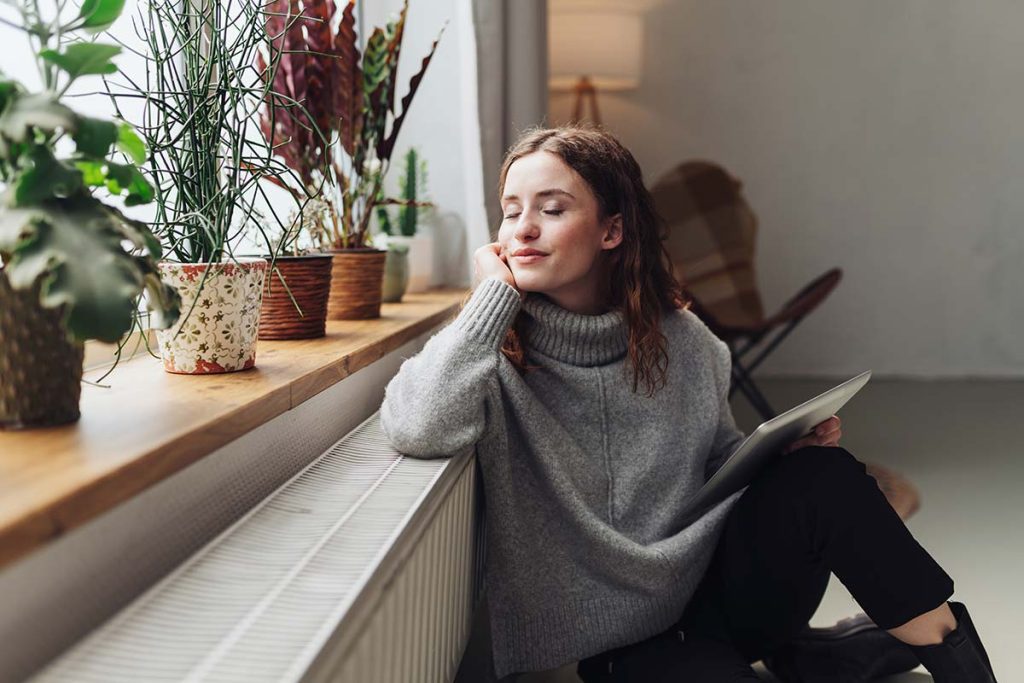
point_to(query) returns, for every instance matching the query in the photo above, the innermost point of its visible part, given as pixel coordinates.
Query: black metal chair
(711, 242)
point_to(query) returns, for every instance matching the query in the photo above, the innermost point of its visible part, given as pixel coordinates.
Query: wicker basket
(308, 279)
(40, 368)
(357, 281)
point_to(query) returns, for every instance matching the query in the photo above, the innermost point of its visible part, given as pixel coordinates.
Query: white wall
(881, 136)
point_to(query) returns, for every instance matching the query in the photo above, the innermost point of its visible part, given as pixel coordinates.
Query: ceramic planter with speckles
(220, 316)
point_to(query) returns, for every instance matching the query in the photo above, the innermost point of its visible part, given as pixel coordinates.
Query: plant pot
(421, 261)
(220, 316)
(396, 274)
(357, 279)
(307, 280)
(40, 367)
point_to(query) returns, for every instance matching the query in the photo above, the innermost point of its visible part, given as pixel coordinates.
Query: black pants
(809, 513)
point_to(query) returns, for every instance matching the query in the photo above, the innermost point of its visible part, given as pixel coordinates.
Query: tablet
(767, 441)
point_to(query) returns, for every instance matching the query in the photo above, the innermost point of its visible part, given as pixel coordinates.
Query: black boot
(855, 650)
(960, 657)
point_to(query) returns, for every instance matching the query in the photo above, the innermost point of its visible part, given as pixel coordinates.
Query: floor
(959, 442)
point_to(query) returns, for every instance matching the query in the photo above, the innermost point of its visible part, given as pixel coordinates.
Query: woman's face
(547, 207)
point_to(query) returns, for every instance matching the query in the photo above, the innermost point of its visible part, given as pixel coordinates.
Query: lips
(528, 259)
(528, 252)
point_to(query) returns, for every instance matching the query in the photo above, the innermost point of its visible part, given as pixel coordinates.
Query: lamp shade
(602, 44)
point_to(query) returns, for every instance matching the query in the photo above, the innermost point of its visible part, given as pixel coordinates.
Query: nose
(527, 228)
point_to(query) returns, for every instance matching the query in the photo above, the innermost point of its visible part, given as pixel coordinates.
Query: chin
(529, 282)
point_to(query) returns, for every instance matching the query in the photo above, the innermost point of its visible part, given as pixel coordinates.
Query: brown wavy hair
(639, 278)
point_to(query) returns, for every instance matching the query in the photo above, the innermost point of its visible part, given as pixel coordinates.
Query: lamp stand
(584, 88)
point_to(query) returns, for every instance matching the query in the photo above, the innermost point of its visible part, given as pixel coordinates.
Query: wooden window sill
(151, 424)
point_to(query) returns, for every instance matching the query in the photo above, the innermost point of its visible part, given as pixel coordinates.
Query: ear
(612, 232)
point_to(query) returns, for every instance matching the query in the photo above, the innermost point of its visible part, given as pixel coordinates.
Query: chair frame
(742, 340)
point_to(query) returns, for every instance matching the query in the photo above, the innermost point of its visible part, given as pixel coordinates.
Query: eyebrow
(542, 193)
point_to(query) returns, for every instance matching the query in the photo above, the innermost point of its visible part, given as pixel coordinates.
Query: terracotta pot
(307, 280)
(40, 366)
(357, 278)
(217, 333)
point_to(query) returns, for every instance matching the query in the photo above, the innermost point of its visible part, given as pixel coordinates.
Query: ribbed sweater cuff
(489, 313)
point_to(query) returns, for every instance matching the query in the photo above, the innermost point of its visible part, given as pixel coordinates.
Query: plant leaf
(100, 14)
(349, 87)
(7, 89)
(376, 74)
(79, 59)
(46, 178)
(117, 178)
(94, 137)
(385, 147)
(394, 49)
(323, 67)
(122, 177)
(130, 144)
(41, 111)
(162, 300)
(75, 246)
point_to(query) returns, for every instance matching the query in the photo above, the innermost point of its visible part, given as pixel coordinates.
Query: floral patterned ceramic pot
(218, 333)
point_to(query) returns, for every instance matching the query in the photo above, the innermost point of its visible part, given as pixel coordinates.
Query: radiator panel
(366, 566)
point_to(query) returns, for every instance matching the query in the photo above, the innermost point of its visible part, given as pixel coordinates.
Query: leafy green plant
(413, 184)
(331, 116)
(90, 257)
(202, 95)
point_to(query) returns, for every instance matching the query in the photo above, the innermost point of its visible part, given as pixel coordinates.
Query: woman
(597, 403)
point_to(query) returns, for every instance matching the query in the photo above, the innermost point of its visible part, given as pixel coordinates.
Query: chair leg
(775, 341)
(743, 382)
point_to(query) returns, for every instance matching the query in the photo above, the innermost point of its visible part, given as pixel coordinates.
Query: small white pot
(219, 334)
(421, 260)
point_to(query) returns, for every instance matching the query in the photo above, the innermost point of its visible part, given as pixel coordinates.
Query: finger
(827, 426)
(830, 435)
(800, 443)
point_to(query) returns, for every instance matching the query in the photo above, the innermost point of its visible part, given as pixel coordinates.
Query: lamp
(594, 45)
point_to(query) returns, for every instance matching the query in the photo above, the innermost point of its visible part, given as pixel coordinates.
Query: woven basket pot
(357, 280)
(220, 316)
(40, 367)
(307, 280)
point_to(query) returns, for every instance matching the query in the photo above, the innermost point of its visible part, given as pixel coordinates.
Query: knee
(820, 470)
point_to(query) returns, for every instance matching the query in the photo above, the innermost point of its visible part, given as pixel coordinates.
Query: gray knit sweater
(583, 478)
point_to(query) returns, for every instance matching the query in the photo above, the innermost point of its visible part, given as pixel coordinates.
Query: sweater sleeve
(434, 405)
(727, 435)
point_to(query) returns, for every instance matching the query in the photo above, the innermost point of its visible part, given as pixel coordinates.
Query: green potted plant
(410, 248)
(335, 123)
(200, 119)
(72, 266)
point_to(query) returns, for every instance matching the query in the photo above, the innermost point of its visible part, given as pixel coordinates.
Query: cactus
(413, 182)
(407, 215)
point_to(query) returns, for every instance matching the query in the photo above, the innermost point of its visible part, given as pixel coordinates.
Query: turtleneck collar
(574, 338)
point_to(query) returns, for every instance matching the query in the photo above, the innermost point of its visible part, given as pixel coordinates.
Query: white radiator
(365, 567)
